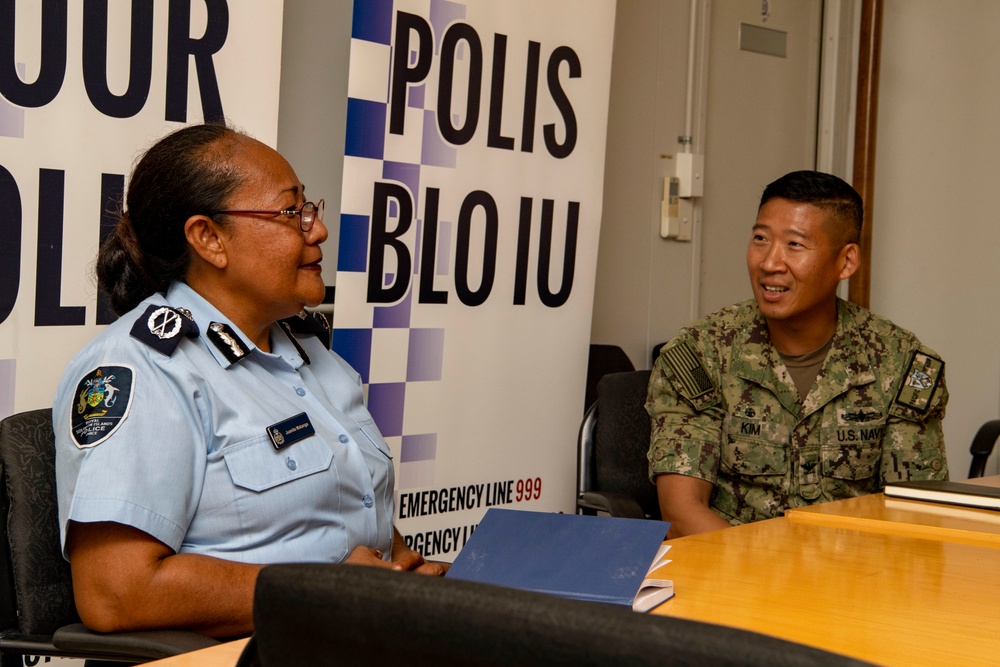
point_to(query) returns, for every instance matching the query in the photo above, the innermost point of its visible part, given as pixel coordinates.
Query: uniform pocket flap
(257, 466)
(747, 457)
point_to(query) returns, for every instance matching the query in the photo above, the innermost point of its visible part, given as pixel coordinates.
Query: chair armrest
(152, 644)
(615, 504)
(982, 446)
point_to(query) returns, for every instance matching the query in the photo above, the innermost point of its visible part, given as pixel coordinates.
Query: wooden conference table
(893, 582)
(222, 655)
(897, 516)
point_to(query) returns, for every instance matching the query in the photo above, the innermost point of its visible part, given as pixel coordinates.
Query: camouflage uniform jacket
(724, 409)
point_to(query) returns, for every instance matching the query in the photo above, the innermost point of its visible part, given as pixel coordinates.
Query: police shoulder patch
(163, 328)
(688, 370)
(922, 377)
(104, 396)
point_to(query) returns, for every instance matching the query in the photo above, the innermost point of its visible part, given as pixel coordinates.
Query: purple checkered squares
(396, 316)
(385, 402)
(425, 355)
(421, 447)
(433, 150)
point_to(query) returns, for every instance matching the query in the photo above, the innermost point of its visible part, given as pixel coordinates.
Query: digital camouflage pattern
(724, 409)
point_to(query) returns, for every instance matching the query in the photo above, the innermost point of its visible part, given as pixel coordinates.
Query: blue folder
(598, 558)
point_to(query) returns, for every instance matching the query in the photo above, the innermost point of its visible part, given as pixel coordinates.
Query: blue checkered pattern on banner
(424, 348)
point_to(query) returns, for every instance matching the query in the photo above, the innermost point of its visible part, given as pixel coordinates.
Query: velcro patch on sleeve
(689, 370)
(922, 377)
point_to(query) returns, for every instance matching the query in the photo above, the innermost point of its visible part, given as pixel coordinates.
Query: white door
(761, 122)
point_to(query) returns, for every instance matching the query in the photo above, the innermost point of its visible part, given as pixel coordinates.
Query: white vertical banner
(86, 86)
(473, 179)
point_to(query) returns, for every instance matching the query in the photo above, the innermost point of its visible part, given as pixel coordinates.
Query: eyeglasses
(308, 213)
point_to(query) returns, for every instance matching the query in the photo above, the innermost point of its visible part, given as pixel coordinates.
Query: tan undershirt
(805, 367)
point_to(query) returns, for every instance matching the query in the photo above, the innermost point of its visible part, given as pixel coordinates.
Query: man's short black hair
(826, 192)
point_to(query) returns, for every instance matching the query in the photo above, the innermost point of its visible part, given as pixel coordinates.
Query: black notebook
(954, 493)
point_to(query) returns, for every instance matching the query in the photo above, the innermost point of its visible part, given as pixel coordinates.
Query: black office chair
(321, 614)
(37, 612)
(655, 354)
(603, 359)
(982, 446)
(612, 446)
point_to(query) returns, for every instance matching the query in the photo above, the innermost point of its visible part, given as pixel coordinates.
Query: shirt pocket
(257, 466)
(754, 448)
(371, 432)
(851, 462)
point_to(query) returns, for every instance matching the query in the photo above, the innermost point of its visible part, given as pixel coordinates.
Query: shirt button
(300, 391)
(292, 465)
(344, 439)
(368, 500)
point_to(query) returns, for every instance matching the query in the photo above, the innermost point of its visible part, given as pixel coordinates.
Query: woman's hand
(405, 558)
(362, 555)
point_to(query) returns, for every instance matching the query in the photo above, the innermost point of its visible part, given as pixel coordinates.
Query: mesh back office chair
(316, 614)
(37, 612)
(612, 447)
(982, 446)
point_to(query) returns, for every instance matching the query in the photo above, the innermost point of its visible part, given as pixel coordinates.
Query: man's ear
(849, 259)
(205, 238)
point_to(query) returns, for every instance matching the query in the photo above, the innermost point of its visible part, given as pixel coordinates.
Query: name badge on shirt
(290, 431)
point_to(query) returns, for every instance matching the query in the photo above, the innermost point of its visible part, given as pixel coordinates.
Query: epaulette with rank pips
(163, 327)
(310, 323)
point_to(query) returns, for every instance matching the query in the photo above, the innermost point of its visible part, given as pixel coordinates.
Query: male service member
(795, 396)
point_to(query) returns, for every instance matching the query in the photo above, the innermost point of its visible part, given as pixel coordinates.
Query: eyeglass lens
(310, 213)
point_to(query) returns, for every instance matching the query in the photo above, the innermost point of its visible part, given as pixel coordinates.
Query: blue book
(597, 558)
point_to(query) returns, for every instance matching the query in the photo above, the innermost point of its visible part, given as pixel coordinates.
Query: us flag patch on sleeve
(689, 370)
(922, 377)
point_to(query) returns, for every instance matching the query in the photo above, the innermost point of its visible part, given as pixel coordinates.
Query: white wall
(936, 237)
(761, 124)
(754, 119)
(312, 111)
(643, 287)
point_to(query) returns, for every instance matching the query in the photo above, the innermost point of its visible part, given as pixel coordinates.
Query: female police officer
(199, 437)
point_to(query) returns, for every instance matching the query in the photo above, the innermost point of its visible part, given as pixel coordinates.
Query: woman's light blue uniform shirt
(189, 460)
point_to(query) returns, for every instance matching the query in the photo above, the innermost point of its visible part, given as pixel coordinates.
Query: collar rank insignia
(228, 342)
(313, 323)
(163, 328)
(288, 332)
